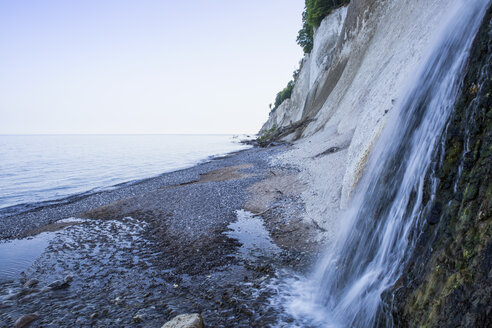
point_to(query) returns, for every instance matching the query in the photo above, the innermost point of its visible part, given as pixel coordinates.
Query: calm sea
(38, 168)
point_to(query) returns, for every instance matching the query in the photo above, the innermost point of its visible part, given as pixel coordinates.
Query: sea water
(40, 168)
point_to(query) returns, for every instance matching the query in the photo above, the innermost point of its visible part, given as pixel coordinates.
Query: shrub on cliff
(284, 94)
(314, 12)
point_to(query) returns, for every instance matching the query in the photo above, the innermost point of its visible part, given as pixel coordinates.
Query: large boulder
(191, 320)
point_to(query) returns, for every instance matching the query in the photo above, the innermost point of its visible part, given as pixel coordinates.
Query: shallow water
(40, 168)
(121, 278)
(255, 239)
(110, 265)
(18, 255)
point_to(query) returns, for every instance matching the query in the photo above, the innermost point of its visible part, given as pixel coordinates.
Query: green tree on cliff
(314, 12)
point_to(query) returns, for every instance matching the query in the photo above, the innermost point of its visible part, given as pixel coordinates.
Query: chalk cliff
(363, 55)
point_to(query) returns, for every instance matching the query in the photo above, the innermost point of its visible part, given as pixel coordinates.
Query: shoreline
(181, 242)
(23, 208)
(58, 207)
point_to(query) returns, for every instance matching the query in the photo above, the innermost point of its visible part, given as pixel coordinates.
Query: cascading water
(388, 209)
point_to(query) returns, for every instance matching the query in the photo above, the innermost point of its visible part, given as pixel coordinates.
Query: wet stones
(143, 315)
(138, 317)
(26, 291)
(61, 284)
(31, 283)
(124, 278)
(192, 320)
(25, 320)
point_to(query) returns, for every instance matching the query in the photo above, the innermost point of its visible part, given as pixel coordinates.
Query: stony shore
(207, 240)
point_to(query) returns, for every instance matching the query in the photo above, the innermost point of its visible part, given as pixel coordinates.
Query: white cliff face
(325, 41)
(326, 36)
(288, 112)
(363, 55)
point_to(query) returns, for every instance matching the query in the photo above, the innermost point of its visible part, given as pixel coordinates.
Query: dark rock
(447, 280)
(328, 151)
(61, 284)
(25, 320)
(31, 283)
(26, 291)
(435, 213)
(137, 318)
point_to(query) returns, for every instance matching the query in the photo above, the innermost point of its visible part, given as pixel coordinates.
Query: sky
(144, 66)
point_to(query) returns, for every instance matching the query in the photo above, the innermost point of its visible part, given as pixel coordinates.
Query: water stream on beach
(255, 239)
(388, 211)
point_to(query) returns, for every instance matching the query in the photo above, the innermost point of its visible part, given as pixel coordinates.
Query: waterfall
(388, 209)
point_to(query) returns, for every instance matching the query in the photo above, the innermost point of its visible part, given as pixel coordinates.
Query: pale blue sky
(146, 66)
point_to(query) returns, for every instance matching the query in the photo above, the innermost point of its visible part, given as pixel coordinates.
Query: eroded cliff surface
(346, 90)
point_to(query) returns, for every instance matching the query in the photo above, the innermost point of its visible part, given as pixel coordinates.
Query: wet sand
(178, 243)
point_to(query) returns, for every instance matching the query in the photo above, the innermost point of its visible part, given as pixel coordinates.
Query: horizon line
(120, 134)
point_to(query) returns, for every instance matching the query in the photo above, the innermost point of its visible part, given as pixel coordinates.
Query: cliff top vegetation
(313, 14)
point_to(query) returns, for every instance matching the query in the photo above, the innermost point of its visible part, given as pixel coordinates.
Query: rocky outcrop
(449, 276)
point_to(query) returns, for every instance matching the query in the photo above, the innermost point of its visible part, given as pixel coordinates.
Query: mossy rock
(446, 283)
